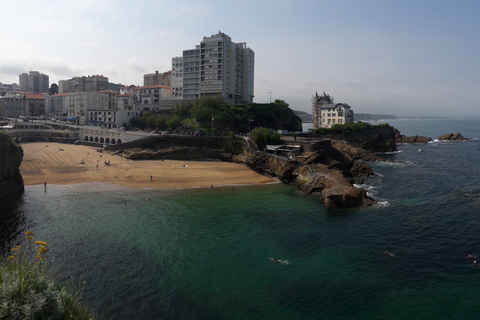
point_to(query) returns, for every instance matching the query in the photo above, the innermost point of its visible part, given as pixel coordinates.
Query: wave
(372, 193)
(390, 152)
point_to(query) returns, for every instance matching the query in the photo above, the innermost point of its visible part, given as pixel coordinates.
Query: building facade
(4, 87)
(79, 103)
(326, 113)
(35, 105)
(12, 105)
(34, 82)
(157, 78)
(83, 84)
(216, 67)
(111, 118)
(177, 77)
(59, 104)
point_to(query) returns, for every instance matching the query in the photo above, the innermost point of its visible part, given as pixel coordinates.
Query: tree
(53, 89)
(263, 136)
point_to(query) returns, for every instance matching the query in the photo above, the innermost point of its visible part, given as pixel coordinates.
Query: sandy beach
(57, 163)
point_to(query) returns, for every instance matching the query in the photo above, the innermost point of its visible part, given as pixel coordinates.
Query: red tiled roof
(34, 96)
(125, 95)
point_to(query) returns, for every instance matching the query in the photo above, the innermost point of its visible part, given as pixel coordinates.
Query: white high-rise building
(216, 67)
(34, 82)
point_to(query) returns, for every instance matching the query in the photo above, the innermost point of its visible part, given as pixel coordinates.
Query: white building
(153, 94)
(4, 87)
(59, 104)
(325, 113)
(216, 67)
(34, 82)
(111, 118)
(80, 102)
(177, 78)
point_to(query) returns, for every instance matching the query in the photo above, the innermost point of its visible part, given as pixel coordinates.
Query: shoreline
(66, 164)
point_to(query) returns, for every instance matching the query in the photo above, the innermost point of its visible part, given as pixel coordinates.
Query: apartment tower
(216, 67)
(34, 82)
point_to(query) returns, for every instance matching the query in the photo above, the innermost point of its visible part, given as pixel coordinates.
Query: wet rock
(452, 137)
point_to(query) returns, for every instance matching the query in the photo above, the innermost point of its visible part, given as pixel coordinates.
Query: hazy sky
(402, 57)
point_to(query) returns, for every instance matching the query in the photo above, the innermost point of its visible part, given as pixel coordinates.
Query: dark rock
(400, 138)
(374, 139)
(452, 137)
(11, 156)
(342, 197)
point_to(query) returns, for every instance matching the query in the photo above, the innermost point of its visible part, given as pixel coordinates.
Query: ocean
(204, 254)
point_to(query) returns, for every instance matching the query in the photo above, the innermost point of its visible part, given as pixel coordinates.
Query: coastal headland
(57, 163)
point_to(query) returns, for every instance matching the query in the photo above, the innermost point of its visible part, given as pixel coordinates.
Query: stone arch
(113, 140)
(86, 138)
(102, 140)
(119, 141)
(96, 139)
(107, 140)
(91, 139)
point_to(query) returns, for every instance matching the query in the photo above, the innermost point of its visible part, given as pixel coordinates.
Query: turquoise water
(204, 254)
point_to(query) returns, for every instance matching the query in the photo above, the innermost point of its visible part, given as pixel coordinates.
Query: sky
(403, 58)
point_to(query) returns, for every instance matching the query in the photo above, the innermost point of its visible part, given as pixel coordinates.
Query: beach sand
(46, 162)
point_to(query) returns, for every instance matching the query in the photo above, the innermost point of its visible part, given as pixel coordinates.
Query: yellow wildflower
(11, 257)
(14, 249)
(41, 243)
(29, 238)
(29, 233)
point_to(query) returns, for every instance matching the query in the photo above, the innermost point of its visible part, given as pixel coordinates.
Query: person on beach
(389, 253)
(45, 185)
(151, 177)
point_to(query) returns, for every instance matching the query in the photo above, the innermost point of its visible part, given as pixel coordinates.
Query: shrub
(28, 291)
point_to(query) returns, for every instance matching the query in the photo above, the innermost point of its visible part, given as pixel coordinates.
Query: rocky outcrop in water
(452, 137)
(399, 138)
(11, 156)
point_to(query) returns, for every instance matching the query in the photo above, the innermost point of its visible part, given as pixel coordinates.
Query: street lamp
(212, 125)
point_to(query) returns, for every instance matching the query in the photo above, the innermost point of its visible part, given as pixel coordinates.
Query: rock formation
(452, 137)
(400, 138)
(11, 155)
(331, 170)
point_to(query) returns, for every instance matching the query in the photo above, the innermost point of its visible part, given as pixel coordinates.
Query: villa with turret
(326, 113)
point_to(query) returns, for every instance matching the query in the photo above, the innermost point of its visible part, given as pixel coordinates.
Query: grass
(29, 291)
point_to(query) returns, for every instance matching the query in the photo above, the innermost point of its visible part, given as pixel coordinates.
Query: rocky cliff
(11, 155)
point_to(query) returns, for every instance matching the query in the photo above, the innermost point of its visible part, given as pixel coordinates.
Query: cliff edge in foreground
(11, 155)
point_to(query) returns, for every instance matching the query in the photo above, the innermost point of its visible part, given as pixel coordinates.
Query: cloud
(90, 46)
(136, 64)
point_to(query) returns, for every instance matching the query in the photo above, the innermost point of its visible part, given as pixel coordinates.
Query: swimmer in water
(472, 256)
(278, 260)
(389, 253)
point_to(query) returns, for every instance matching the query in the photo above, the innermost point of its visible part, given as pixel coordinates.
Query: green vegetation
(347, 128)
(263, 136)
(209, 113)
(29, 291)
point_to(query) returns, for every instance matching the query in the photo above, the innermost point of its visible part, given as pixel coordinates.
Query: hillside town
(216, 66)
